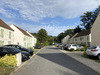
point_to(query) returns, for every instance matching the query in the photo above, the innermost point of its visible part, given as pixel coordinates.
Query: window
(2, 33)
(9, 42)
(81, 38)
(25, 44)
(87, 38)
(9, 35)
(75, 39)
(1, 43)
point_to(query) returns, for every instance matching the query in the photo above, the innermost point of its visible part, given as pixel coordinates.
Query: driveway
(51, 61)
(86, 61)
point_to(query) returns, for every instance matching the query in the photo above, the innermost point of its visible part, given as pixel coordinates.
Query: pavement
(53, 61)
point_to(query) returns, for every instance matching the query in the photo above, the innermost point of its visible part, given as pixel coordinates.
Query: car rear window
(74, 45)
(93, 47)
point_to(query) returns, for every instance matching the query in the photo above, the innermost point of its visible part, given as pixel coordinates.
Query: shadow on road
(68, 62)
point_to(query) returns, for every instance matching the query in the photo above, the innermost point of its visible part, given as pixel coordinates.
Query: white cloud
(36, 10)
(51, 30)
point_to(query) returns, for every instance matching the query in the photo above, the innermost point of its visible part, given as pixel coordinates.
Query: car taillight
(94, 50)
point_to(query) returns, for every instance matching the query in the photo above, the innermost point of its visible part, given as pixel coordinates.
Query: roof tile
(3, 24)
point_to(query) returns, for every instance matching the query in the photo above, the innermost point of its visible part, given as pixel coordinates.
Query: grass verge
(6, 70)
(92, 58)
(36, 50)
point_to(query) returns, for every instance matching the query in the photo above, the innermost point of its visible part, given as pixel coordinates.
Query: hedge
(8, 61)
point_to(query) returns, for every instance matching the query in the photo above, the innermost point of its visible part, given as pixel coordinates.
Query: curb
(17, 68)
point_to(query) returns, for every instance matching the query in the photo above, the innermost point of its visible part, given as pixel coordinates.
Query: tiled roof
(24, 32)
(3, 24)
(83, 33)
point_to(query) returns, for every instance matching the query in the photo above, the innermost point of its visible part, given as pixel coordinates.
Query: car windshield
(93, 47)
(20, 46)
(74, 45)
(15, 49)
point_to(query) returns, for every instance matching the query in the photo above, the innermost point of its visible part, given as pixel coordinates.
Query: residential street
(51, 61)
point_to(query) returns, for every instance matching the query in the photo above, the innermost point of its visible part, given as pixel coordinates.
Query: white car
(75, 47)
(93, 51)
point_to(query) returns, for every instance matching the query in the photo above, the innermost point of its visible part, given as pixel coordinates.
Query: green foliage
(82, 44)
(77, 29)
(31, 48)
(72, 49)
(88, 18)
(38, 42)
(82, 49)
(46, 44)
(69, 32)
(42, 35)
(51, 39)
(78, 49)
(84, 53)
(60, 37)
(8, 61)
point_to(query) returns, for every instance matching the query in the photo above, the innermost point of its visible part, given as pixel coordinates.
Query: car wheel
(99, 56)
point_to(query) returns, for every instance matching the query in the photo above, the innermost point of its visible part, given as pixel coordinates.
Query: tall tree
(60, 37)
(69, 32)
(88, 18)
(77, 29)
(42, 35)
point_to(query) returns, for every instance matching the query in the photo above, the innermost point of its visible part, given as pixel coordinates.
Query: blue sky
(55, 16)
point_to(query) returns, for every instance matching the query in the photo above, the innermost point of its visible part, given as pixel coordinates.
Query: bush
(8, 61)
(78, 49)
(72, 49)
(31, 48)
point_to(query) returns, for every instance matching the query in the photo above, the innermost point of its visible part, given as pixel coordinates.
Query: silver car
(93, 51)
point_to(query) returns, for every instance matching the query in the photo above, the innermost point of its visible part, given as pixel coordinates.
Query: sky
(55, 16)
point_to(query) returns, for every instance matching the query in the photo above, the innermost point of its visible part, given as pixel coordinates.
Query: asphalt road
(51, 61)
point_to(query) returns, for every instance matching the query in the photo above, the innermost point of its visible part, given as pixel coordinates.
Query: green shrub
(8, 61)
(84, 53)
(31, 48)
(82, 44)
(78, 49)
(72, 49)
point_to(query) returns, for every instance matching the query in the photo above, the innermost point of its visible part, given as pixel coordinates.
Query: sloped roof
(3, 24)
(83, 33)
(24, 32)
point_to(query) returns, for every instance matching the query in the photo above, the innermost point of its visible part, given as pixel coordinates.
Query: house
(34, 39)
(65, 40)
(83, 37)
(95, 32)
(71, 40)
(21, 37)
(6, 34)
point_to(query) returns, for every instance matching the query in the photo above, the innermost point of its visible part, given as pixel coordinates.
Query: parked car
(21, 48)
(74, 46)
(93, 51)
(39, 46)
(13, 51)
(64, 46)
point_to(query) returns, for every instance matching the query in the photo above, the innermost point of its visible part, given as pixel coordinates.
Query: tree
(77, 29)
(34, 34)
(88, 18)
(42, 35)
(69, 32)
(60, 37)
(51, 39)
